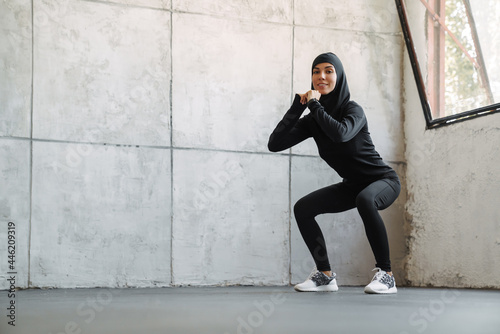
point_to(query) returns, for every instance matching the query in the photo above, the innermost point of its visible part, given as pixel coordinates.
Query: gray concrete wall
(133, 138)
(453, 190)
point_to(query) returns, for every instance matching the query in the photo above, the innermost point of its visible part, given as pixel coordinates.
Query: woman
(340, 130)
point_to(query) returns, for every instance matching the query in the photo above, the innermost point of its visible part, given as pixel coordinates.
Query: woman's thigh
(332, 199)
(381, 193)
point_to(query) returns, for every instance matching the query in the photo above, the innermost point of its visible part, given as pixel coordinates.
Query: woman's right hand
(303, 98)
(311, 94)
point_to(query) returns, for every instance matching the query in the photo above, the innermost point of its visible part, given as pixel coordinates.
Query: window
(454, 49)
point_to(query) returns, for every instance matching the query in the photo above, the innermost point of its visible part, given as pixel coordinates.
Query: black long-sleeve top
(343, 140)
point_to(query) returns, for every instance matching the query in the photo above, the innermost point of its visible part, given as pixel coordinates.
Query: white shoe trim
(377, 287)
(309, 286)
(323, 288)
(370, 290)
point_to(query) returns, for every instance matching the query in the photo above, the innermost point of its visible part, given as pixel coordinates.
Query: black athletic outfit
(340, 130)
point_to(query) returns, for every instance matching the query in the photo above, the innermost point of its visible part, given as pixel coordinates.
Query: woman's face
(324, 78)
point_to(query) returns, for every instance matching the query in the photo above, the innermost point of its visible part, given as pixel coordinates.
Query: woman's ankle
(327, 273)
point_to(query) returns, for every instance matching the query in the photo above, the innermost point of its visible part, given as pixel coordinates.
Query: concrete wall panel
(102, 73)
(359, 15)
(231, 219)
(231, 82)
(160, 4)
(15, 68)
(15, 208)
(280, 11)
(101, 216)
(453, 189)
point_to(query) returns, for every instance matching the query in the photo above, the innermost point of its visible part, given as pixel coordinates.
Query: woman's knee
(299, 207)
(365, 202)
(302, 209)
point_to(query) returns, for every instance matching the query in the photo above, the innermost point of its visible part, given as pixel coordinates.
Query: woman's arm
(290, 130)
(342, 131)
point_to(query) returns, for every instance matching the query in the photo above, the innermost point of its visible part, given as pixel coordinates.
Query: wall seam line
(171, 149)
(31, 141)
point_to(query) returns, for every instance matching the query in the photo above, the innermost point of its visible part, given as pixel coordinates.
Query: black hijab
(334, 101)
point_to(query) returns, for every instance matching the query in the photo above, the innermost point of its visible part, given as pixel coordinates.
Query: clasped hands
(312, 94)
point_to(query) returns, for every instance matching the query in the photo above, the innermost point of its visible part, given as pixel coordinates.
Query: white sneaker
(318, 281)
(382, 282)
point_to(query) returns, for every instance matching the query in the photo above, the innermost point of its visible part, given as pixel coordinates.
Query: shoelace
(313, 272)
(383, 277)
(379, 274)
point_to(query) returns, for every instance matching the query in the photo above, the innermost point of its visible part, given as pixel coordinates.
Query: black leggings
(368, 199)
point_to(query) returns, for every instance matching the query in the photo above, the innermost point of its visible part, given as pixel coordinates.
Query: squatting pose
(340, 130)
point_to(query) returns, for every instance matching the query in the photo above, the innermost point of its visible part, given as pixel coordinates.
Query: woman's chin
(323, 91)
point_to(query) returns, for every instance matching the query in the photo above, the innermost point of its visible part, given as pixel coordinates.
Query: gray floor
(228, 310)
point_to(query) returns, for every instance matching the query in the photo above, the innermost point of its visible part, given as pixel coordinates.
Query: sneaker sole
(323, 288)
(389, 291)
